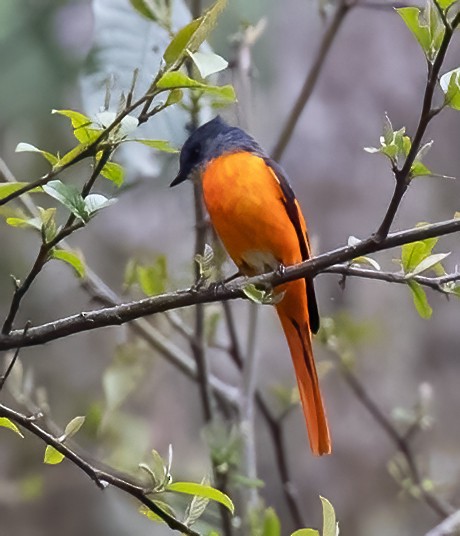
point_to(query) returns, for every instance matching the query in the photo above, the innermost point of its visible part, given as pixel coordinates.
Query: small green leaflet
(71, 198)
(52, 456)
(159, 145)
(71, 258)
(191, 36)
(254, 294)
(420, 300)
(9, 188)
(176, 79)
(192, 488)
(113, 172)
(305, 532)
(426, 26)
(158, 11)
(209, 63)
(145, 511)
(330, 525)
(29, 148)
(414, 253)
(7, 423)
(450, 84)
(153, 278)
(73, 426)
(68, 196)
(272, 525)
(83, 128)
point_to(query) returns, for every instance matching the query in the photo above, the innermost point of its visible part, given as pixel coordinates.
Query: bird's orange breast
(246, 206)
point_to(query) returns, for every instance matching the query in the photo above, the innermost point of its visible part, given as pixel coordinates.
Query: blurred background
(50, 58)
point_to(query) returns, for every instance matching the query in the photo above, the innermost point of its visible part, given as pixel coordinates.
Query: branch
(311, 79)
(403, 175)
(120, 314)
(101, 478)
(435, 283)
(400, 441)
(448, 527)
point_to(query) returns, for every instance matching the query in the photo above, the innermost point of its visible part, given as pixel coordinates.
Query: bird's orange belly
(245, 204)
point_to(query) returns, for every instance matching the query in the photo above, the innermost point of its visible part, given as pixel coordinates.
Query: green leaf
(330, 527)
(305, 532)
(71, 258)
(9, 188)
(153, 278)
(428, 263)
(68, 196)
(96, 202)
(52, 456)
(195, 510)
(444, 4)
(32, 223)
(7, 423)
(420, 300)
(412, 254)
(206, 262)
(72, 154)
(28, 148)
(159, 145)
(412, 17)
(418, 169)
(254, 294)
(176, 79)
(145, 511)
(178, 45)
(83, 128)
(73, 426)
(368, 261)
(114, 172)
(450, 84)
(272, 525)
(143, 7)
(208, 63)
(76, 118)
(174, 97)
(191, 36)
(192, 488)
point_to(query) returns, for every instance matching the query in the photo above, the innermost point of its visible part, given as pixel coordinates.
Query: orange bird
(258, 218)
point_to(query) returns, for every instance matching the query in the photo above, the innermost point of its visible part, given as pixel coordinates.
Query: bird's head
(210, 141)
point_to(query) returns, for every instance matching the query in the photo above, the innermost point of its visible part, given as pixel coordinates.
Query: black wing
(293, 213)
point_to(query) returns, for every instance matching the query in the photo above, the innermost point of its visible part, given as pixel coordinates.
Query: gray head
(209, 141)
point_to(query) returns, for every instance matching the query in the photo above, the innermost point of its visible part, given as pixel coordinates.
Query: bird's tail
(293, 313)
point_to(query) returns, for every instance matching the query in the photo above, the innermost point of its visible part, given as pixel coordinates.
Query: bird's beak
(180, 178)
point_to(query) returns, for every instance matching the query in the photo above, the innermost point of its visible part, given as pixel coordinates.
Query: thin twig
(10, 367)
(435, 283)
(312, 77)
(402, 444)
(101, 478)
(403, 175)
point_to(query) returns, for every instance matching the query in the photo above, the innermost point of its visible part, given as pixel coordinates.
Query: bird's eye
(195, 151)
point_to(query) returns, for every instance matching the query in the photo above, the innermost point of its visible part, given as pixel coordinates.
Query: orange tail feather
(293, 313)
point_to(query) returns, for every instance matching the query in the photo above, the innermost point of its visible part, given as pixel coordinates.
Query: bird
(257, 217)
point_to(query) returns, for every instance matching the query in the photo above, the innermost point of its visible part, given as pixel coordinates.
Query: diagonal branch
(399, 440)
(101, 478)
(403, 175)
(311, 79)
(126, 312)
